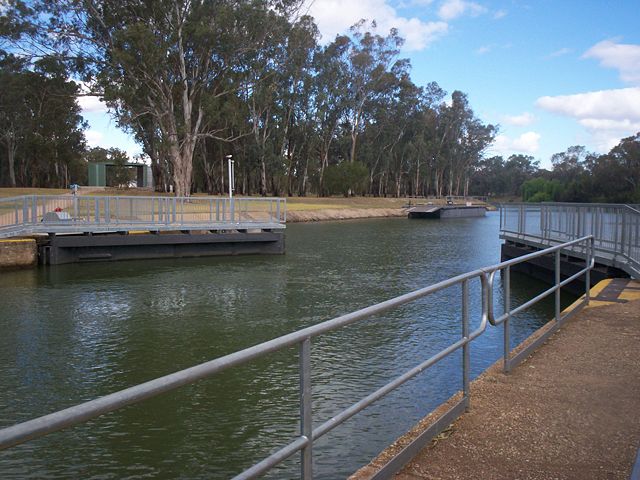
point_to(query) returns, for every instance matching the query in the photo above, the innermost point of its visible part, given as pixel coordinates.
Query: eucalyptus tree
(423, 139)
(392, 121)
(329, 98)
(475, 138)
(13, 117)
(160, 59)
(372, 69)
(295, 89)
(40, 123)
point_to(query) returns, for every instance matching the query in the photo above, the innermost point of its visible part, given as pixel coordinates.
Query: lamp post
(231, 182)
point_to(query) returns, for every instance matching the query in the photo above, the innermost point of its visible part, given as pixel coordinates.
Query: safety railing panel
(35, 212)
(303, 340)
(615, 228)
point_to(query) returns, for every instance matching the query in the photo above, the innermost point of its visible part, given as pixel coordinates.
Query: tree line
(576, 175)
(196, 81)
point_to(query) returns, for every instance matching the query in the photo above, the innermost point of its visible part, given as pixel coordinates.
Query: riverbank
(325, 214)
(312, 209)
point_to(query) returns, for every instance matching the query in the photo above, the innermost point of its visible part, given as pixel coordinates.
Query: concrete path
(571, 411)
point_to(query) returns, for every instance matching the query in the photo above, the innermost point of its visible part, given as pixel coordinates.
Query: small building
(99, 174)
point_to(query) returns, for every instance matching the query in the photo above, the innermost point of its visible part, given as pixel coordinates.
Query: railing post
(587, 278)
(25, 211)
(507, 310)
(465, 348)
(34, 209)
(557, 278)
(278, 210)
(232, 209)
(306, 419)
(623, 231)
(615, 237)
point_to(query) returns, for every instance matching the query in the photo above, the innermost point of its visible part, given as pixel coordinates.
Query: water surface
(75, 332)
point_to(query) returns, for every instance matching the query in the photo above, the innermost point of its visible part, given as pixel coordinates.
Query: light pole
(231, 182)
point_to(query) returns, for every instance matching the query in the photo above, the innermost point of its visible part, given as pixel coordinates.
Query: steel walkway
(615, 228)
(65, 214)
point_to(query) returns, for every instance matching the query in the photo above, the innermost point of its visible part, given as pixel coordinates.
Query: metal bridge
(615, 228)
(37, 214)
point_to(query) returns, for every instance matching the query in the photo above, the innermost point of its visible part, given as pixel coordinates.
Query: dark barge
(446, 211)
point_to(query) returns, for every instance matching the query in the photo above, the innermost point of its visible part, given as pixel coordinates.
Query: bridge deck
(33, 214)
(69, 228)
(571, 411)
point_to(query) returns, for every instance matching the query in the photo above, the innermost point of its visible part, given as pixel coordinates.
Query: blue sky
(552, 74)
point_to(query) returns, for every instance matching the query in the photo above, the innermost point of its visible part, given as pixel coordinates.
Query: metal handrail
(28, 214)
(303, 443)
(615, 227)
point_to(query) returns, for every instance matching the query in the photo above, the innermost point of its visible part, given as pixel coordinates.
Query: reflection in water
(73, 333)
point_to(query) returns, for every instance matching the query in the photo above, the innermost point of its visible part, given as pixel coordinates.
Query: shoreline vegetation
(299, 209)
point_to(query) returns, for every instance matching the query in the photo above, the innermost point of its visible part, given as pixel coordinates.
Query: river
(75, 332)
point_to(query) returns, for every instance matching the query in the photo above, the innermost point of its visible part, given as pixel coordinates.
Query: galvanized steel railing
(303, 443)
(615, 228)
(28, 214)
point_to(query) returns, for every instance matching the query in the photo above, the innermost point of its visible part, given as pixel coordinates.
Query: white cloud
(528, 142)
(500, 14)
(560, 53)
(484, 49)
(94, 138)
(451, 9)
(620, 104)
(623, 57)
(335, 17)
(606, 134)
(607, 115)
(521, 120)
(91, 104)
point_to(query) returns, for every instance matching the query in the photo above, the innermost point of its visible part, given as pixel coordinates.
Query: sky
(550, 74)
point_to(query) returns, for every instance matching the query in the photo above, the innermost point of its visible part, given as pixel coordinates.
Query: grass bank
(299, 209)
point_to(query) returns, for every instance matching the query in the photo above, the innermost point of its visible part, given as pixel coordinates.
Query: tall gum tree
(371, 61)
(160, 59)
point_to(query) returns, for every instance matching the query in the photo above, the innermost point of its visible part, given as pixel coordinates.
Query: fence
(615, 228)
(29, 214)
(47, 424)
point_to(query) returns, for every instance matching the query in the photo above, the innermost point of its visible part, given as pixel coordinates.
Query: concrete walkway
(571, 411)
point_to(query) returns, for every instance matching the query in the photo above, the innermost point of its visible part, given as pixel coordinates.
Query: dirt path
(571, 411)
